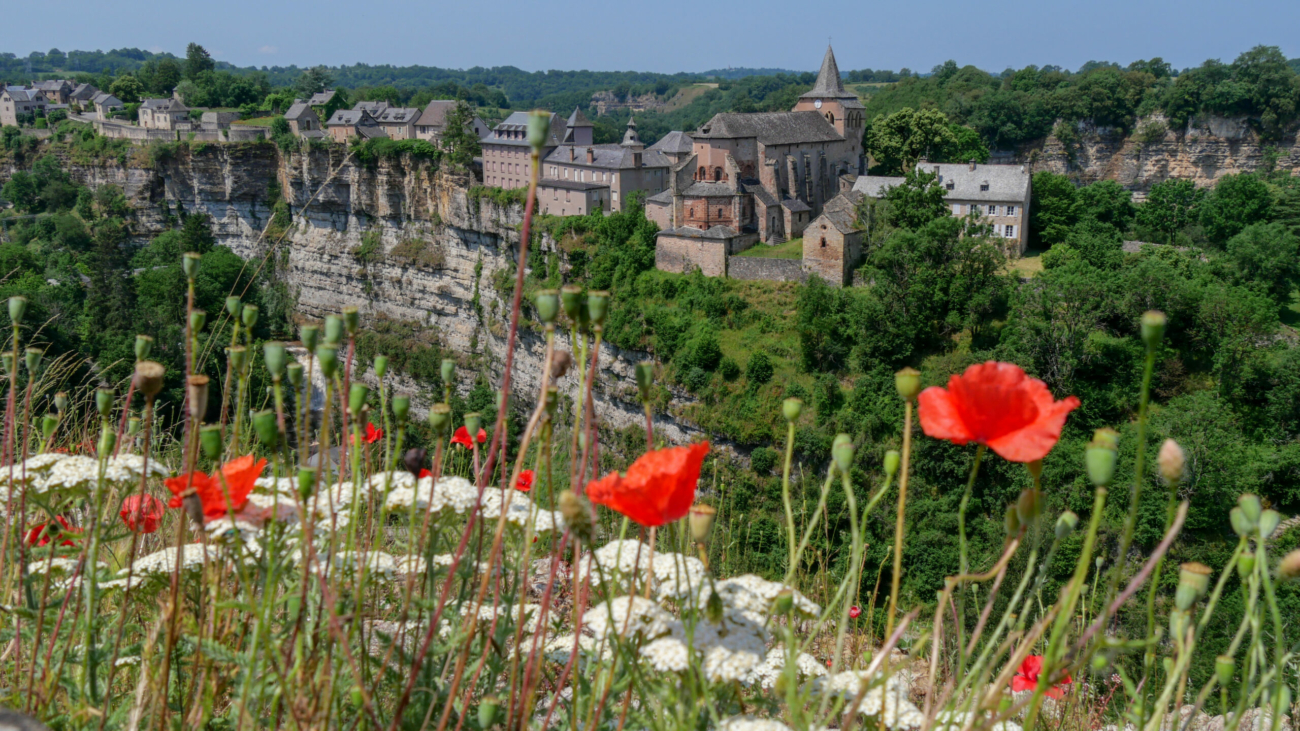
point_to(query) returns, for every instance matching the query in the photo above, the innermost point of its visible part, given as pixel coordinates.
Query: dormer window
(984, 187)
(950, 185)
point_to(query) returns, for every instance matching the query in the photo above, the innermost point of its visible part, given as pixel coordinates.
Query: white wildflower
(287, 486)
(548, 520)
(559, 649)
(73, 473)
(730, 649)
(392, 480)
(382, 563)
(615, 559)
(54, 566)
(765, 673)
(164, 562)
(667, 655)
(127, 660)
(677, 576)
(516, 505)
(128, 468)
(749, 723)
(887, 700)
(531, 614)
(627, 616)
(35, 467)
(754, 594)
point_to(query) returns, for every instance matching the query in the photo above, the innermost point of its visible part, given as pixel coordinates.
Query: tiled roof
(760, 193)
(518, 122)
(846, 201)
(842, 220)
(771, 128)
(794, 205)
(399, 115)
(106, 100)
(578, 119)
(321, 98)
(312, 133)
(25, 95)
(874, 186)
(720, 233)
(84, 92)
(53, 85)
(674, 143)
(349, 117)
(829, 86)
(167, 104)
(984, 183)
(374, 109)
(371, 131)
(435, 115)
(703, 190)
(606, 157)
(664, 197)
(298, 110)
(569, 184)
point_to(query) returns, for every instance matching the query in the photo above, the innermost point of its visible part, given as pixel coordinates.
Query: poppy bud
(413, 460)
(211, 440)
(248, 315)
(577, 515)
(61, 402)
(401, 408)
(190, 264)
(892, 459)
(1289, 568)
(196, 391)
(33, 360)
(1012, 520)
(1193, 583)
(17, 308)
(1153, 328)
(232, 306)
(310, 337)
(1100, 458)
(1269, 520)
(1066, 524)
(791, 408)
(306, 482)
(8, 359)
(473, 422)
(1171, 460)
(275, 355)
(107, 441)
(701, 522)
(908, 383)
(49, 423)
(1035, 469)
(448, 371)
(584, 316)
(571, 301)
(1178, 620)
(198, 318)
(268, 432)
(842, 452)
(440, 418)
(1106, 437)
(487, 711)
(552, 401)
(294, 372)
(194, 508)
(548, 305)
(143, 347)
(104, 401)
(357, 395)
(333, 329)
(1029, 506)
(238, 356)
(539, 126)
(1240, 525)
(783, 602)
(1223, 668)
(328, 355)
(351, 320)
(133, 425)
(645, 378)
(1252, 507)
(713, 608)
(598, 306)
(381, 366)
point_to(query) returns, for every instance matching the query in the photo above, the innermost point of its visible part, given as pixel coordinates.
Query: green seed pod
(143, 347)
(33, 360)
(1240, 525)
(133, 425)
(598, 307)
(1193, 583)
(212, 441)
(892, 460)
(908, 383)
(571, 301)
(1284, 699)
(310, 337)
(306, 482)
(7, 358)
(1012, 520)
(548, 305)
(1171, 461)
(448, 371)
(1153, 328)
(1269, 520)
(233, 306)
(539, 126)
(238, 357)
(1224, 666)
(842, 452)
(473, 422)
(713, 607)
(1100, 458)
(104, 401)
(791, 408)
(198, 318)
(49, 423)
(783, 603)
(294, 371)
(401, 408)
(700, 521)
(268, 432)
(190, 264)
(328, 355)
(17, 309)
(61, 402)
(1066, 525)
(107, 441)
(1251, 507)
(358, 700)
(645, 378)
(487, 711)
(196, 392)
(440, 419)
(357, 395)
(351, 320)
(1245, 565)
(248, 315)
(333, 330)
(577, 515)
(276, 356)
(584, 316)
(1029, 506)
(1179, 618)
(381, 366)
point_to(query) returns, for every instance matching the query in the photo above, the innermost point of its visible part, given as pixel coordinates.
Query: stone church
(759, 177)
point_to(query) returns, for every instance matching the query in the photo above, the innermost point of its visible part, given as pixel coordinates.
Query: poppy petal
(1034, 441)
(940, 417)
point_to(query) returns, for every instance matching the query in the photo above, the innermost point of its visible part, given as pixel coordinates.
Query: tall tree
(459, 143)
(898, 141)
(197, 61)
(1170, 206)
(313, 80)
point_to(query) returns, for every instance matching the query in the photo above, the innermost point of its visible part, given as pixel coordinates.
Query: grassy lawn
(792, 249)
(1029, 265)
(256, 121)
(686, 95)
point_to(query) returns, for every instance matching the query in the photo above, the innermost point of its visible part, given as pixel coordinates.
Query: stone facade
(571, 197)
(707, 251)
(832, 246)
(507, 157)
(753, 268)
(622, 169)
(15, 101)
(168, 114)
(432, 122)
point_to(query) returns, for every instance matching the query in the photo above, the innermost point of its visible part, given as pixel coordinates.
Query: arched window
(717, 174)
(830, 117)
(719, 213)
(703, 173)
(823, 242)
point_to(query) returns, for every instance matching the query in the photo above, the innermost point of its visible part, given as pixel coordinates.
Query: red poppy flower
(372, 434)
(142, 513)
(423, 474)
(997, 405)
(461, 437)
(1026, 678)
(38, 537)
(659, 487)
(524, 482)
(240, 474)
(854, 612)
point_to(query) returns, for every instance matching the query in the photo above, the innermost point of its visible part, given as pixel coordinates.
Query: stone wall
(681, 254)
(775, 270)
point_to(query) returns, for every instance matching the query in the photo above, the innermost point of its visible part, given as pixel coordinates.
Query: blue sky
(666, 36)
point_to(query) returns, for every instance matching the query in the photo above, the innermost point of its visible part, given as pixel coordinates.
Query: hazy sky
(666, 36)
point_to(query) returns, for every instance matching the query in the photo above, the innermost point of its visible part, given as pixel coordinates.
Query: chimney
(591, 156)
(972, 164)
(636, 159)
(572, 154)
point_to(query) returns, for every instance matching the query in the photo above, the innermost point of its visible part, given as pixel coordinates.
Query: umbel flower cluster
(277, 568)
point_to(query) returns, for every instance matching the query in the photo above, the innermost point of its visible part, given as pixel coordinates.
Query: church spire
(828, 83)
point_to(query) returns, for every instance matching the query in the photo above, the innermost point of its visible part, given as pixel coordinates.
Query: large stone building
(507, 155)
(303, 120)
(169, 114)
(432, 123)
(16, 101)
(57, 91)
(399, 122)
(348, 123)
(759, 177)
(621, 169)
(998, 194)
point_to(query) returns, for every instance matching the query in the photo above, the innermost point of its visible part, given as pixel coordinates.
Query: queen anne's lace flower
(749, 723)
(164, 561)
(127, 468)
(54, 566)
(559, 649)
(766, 672)
(35, 468)
(667, 655)
(887, 700)
(614, 560)
(516, 505)
(392, 480)
(72, 473)
(545, 521)
(286, 486)
(730, 650)
(956, 720)
(531, 616)
(626, 616)
(677, 576)
(383, 563)
(754, 594)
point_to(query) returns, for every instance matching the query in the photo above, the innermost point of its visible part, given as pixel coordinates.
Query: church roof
(674, 143)
(771, 128)
(578, 119)
(842, 220)
(829, 85)
(719, 232)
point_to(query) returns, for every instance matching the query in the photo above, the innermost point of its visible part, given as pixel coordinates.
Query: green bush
(759, 370)
(762, 460)
(728, 369)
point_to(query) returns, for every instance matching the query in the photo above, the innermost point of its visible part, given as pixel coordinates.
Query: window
(993, 210)
(823, 242)
(1011, 210)
(984, 187)
(1009, 231)
(956, 209)
(951, 185)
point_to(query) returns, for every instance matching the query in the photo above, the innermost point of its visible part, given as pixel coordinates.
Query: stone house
(572, 197)
(399, 122)
(832, 242)
(83, 96)
(374, 109)
(105, 104)
(303, 121)
(168, 114)
(676, 146)
(433, 122)
(349, 123)
(998, 194)
(57, 91)
(622, 168)
(16, 101)
(218, 120)
(507, 154)
(321, 98)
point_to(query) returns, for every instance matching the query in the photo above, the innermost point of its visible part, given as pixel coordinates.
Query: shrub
(702, 350)
(728, 369)
(695, 380)
(762, 460)
(759, 370)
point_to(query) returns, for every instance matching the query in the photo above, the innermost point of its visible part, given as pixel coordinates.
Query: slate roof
(569, 184)
(846, 201)
(312, 133)
(842, 220)
(25, 95)
(435, 115)
(674, 143)
(107, 100)
(607, 157)
(350, 117)
(53, 85)
(874, 186)
(518, 122)
(703, 190)
(771, 128)
(829, 85)
(371, 131)
(298, 110)
(664, 197)
(794, 205)
(399, 115)
(84, 92)
(374, 109)
(1004, 182)
(321, 98)
(168, 104)
(760, 193)
(578, 119)
(720, 233)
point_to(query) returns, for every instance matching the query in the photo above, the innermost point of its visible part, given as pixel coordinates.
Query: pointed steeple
(828, 79)
(630, 137)
(578, 119)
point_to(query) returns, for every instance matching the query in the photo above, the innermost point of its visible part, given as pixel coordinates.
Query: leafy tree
(459, 143)
(312, 81)
(759, 369)
(825, 334)
(1236, 202)
(1171, 205)
(1097, 243)
(197, 61)
(899, 140)
(1267, 256)
(127, 88)
(1054, 208)
(917, 201)
(967, 145)
(167, 74)
(1108, 202)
